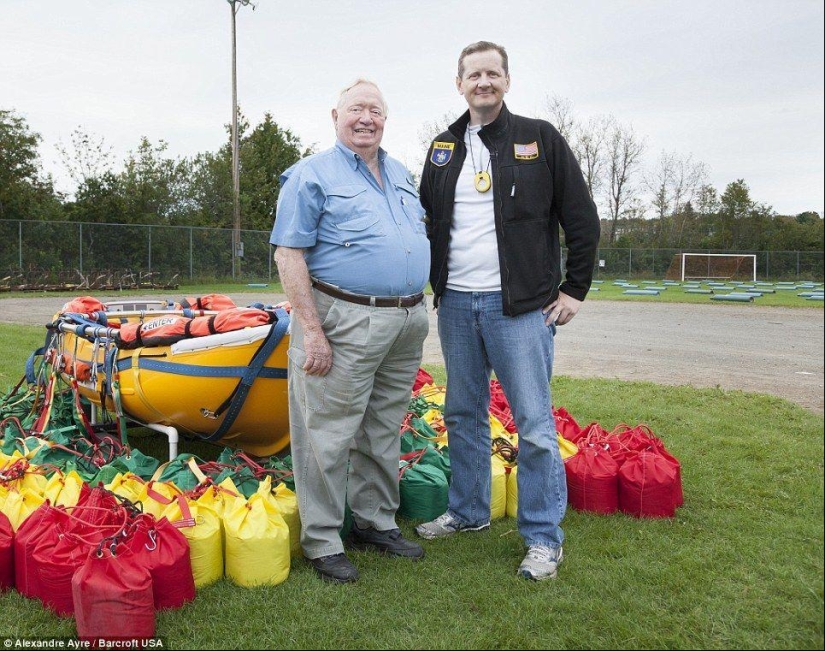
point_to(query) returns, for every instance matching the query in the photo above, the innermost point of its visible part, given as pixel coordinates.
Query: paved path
(778, 351)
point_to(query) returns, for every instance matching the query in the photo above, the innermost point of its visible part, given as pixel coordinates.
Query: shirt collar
(353, 158)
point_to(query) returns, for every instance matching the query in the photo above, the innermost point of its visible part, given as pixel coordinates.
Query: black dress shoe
(335, 568)
(390, 543)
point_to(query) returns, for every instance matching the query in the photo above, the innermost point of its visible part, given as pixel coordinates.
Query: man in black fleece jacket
(496, 188)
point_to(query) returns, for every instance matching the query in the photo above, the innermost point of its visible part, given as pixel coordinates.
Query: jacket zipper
(498, 212)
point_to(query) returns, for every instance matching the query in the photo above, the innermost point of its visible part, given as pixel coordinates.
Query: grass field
(601, 290)
(739, 567)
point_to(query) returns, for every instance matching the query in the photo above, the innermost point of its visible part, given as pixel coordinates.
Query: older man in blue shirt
(353, 258)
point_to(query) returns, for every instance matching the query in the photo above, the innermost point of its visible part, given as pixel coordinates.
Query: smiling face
(483, 82)
(359, 119)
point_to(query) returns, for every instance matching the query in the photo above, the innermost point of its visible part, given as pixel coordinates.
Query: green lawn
(601, 290)
(739, 567)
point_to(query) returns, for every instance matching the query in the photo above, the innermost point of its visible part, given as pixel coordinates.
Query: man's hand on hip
(562, 310)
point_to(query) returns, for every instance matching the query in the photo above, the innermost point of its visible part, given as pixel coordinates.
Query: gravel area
(777, 351)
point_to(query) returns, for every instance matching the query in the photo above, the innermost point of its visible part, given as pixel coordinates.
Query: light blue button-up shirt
(358, 236)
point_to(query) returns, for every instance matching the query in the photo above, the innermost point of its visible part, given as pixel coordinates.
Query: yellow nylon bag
(202, 528)
(7, 460)
(63, 490)
(127, 485)
(17, 505)
(24, 477)
(497, 429)
(222, 497)
(512, 492)
(498, 495)
(287, 503)
(434, 393)
(566, 448)
(156, 496)
(257, 543)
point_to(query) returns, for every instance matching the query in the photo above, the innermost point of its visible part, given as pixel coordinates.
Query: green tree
(265, 154)
(25, 193)
(98, 199)
(735, 206)
(153, 186)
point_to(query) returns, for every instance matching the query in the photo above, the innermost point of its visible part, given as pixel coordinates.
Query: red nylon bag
(500, 406)
(641, 438)
(646, 486)
(164, 550)
(62, 544)
(678, 493)
(421, 379)
(566, 425)
(41, 528)
(592, 433)
(112, 596)
(55, 565)
(592, 481)
(6, 553)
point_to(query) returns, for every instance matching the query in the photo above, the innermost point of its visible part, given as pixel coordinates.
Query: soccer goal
(712, 266)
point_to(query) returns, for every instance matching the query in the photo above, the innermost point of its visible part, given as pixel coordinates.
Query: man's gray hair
(358, 82)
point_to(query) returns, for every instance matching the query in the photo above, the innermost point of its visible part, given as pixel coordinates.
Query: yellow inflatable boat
(229, 387)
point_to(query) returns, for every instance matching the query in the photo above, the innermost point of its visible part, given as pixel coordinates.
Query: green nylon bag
(66, 460)
(439, 458)
(179, 473)
(138, 463)
(243, 478)
(423, 492)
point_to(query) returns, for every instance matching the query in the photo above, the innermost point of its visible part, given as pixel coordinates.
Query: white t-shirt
(473, 258)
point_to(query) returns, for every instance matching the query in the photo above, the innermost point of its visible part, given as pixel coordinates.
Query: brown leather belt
(363, 299)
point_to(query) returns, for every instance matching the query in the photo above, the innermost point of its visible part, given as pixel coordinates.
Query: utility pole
(237, 245)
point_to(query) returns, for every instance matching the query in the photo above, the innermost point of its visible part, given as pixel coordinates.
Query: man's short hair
(482, 46)
(358, 82)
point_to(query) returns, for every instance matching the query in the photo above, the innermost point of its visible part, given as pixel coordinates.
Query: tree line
(663, 203)
(668, 202)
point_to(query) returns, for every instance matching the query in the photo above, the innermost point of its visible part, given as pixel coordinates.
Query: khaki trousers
(344, 426)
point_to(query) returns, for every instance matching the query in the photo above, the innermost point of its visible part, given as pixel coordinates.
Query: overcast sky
(737, 84)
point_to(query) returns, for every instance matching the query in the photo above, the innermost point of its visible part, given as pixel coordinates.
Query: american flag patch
(526, 152)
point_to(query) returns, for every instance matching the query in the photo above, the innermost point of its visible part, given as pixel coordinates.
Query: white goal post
(720, 266)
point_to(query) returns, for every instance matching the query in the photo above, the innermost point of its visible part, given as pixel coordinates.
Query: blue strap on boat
(199, 370)
(238, 396)
(30, 376)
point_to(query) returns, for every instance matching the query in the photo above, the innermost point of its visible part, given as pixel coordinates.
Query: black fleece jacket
(538, 187)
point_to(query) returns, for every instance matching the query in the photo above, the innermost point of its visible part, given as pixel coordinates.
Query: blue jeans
(476, 338)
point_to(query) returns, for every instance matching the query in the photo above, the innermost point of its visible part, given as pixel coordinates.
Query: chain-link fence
(72, 252)
(76, 252)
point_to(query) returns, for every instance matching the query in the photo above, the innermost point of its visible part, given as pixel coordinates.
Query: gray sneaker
(540, 563)
(445, 525)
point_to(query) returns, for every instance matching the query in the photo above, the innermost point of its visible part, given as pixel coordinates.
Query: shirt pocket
(345, 202)
(352, 216)
(411, 204)
(360, 229)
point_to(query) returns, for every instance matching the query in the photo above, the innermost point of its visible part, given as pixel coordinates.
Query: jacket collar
(494, 129)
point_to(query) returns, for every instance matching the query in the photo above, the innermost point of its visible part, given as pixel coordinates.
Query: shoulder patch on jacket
(442, 153)
(526, 152)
